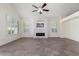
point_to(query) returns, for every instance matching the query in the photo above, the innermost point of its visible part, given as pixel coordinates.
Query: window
(54, 26)
(12, 25)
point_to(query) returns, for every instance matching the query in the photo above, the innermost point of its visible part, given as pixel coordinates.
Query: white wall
(71, 27)
(29, 26)
(51, 22)
(26, 27)
(6, 9)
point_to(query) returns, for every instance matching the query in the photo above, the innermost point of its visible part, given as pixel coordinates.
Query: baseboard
(39, 38)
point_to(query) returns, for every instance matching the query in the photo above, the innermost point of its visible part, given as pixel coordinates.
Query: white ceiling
(56, 9)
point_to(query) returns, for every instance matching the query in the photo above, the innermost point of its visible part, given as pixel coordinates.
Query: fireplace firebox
(40, 34)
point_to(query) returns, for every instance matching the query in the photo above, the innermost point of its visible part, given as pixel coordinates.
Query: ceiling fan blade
(44, 5)
(45, 9)
(34, 10)
(34, 6)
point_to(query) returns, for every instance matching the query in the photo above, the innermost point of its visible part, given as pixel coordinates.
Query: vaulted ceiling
(56, 9)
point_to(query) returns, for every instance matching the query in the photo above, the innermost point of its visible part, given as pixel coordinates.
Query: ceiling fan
(40, 9)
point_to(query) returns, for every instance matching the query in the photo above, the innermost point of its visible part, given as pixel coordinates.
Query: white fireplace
(40, 28)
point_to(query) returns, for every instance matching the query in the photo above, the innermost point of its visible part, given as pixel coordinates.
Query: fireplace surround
(40, 28)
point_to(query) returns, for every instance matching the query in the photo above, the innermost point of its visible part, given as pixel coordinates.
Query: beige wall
(71, 29)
